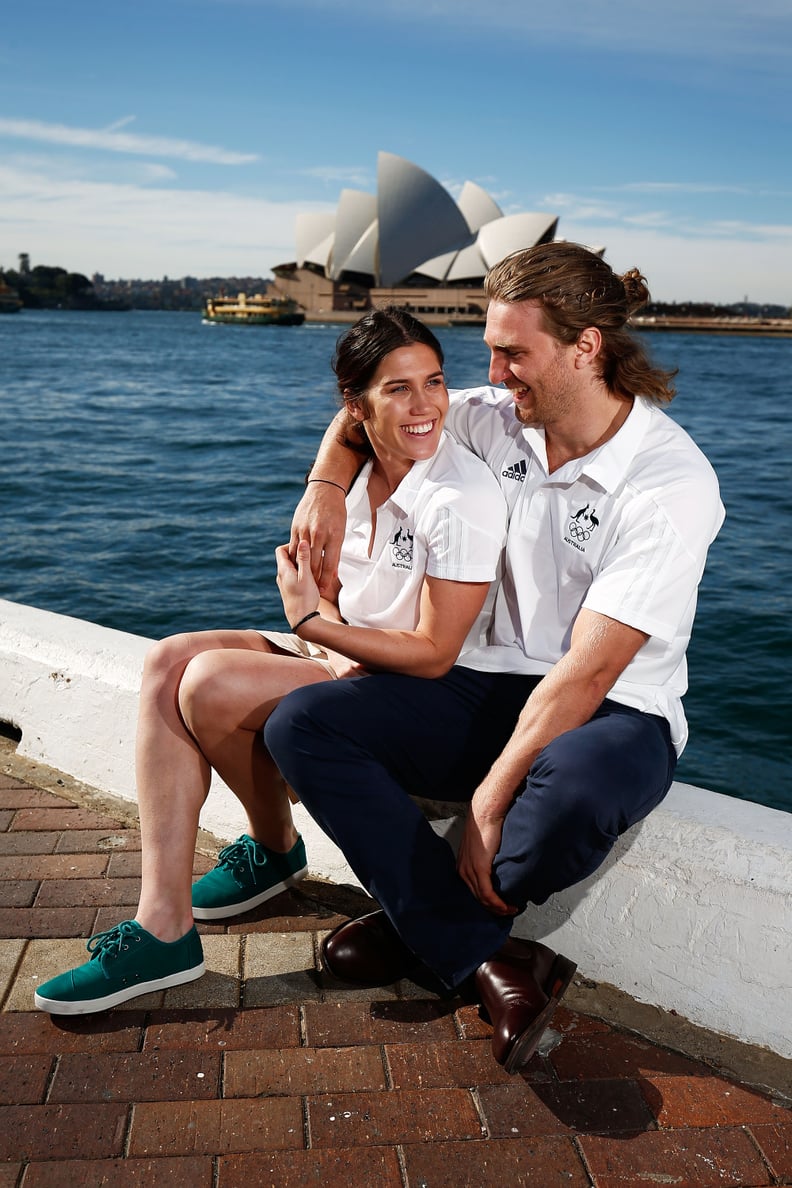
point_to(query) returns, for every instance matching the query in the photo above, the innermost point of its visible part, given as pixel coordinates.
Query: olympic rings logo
(579, 533)
(402, 554)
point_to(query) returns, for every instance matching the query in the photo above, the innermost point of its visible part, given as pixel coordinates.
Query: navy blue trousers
(356, 750)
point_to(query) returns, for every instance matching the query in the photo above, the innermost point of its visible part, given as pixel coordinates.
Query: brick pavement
(266, 1071)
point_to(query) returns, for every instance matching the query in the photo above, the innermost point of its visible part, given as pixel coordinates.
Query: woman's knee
(166, 656)
(203, 692)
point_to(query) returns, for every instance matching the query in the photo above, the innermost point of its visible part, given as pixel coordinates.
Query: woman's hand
(298, 590)
(480, 843)
(343, 666)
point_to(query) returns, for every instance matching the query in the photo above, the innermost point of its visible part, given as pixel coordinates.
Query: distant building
(410, 243)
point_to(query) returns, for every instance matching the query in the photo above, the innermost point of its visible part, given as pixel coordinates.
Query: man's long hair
(575, 289)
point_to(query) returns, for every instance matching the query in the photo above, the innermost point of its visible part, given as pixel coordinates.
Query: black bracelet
(312, 615)
(328, 481)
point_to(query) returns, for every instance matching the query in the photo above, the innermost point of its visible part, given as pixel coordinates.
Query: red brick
(9, 781)
(35, 1033)
(304, 1070)
(62, 1131)
(124, 866)
(522, 1163)
(9, 1174)
(571, 1023)
(28, 843)
(18, 894)
(599, 1107)
(410, 1116)
(23, 1079)
(367, 1167)
(62, 818)
(152, 1076)
(334, 1024)
(41, 923)
(706, 1101)
(288, 912)
(225, 1030)
(616, 1055)
(104, 841)
(470, 1023)
(6, 817)
(719, 1158)
(430, 1066)
(88, 892)
(216, 1127)
(54, 866)
(122, 1173)
(112, 914)
(17, 796)
(775, 1143)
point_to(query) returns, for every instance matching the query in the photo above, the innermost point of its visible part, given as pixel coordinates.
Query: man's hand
(320, 519)
(480, 843)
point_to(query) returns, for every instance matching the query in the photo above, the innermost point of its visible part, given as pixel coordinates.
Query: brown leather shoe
(368, 952)
(520, 987)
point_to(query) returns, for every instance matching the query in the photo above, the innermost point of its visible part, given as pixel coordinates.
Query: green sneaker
(125, 961)
(246, 875)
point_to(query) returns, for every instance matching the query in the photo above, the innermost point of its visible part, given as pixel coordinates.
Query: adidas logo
(517, 472)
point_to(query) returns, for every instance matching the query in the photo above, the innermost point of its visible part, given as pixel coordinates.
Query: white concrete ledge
(690, 913)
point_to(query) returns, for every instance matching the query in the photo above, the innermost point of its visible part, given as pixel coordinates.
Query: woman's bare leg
(225, 697)
(172, 779)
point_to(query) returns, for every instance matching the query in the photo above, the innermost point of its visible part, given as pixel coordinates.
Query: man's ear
(588, 346)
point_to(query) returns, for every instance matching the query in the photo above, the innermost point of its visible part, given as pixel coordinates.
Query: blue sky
(175, 137)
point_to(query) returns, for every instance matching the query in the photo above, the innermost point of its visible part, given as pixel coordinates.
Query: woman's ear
(354, 407)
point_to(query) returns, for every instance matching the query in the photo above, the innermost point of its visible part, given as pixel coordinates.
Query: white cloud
(130, 230)
(122, 142)
(343, 175)
(127, 230)
(723, 268)
(680, 28)
(674, 187)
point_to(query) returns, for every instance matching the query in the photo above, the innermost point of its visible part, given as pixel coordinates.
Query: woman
(426, 522)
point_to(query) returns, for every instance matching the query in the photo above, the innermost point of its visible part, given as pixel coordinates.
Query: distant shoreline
(766, 327)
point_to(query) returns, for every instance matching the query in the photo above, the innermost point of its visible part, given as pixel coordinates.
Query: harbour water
(151, 464)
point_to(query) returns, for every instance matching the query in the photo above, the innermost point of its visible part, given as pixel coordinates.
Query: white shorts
(294, 646)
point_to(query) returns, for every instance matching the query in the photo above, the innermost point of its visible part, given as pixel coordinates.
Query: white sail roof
(512, 233)
(418, 218)
(468, 264)
(355, 214)
(363, 257)
(312, 227)
(413, 225)
(477, 206)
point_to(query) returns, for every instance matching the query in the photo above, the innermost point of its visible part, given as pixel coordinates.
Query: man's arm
(320, 516)
(600, 650)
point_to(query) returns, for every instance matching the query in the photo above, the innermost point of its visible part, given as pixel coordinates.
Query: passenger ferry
(256, 310)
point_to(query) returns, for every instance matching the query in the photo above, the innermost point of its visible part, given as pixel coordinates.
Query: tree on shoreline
(44, 287)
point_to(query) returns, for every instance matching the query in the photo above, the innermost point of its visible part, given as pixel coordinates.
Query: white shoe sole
(236, 909)
(90, 1006)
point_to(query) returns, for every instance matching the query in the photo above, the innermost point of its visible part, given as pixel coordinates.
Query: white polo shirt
(623, 531)
(446, 519)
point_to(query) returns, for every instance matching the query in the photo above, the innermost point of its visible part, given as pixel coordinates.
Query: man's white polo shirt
(446, 519)
(623, 531)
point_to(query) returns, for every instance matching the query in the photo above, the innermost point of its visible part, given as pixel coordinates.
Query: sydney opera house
(410, 243)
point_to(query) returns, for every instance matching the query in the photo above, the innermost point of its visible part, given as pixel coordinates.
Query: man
(565, 730)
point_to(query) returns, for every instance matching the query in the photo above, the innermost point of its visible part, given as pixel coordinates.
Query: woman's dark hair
(361, 349)
(575, 289)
